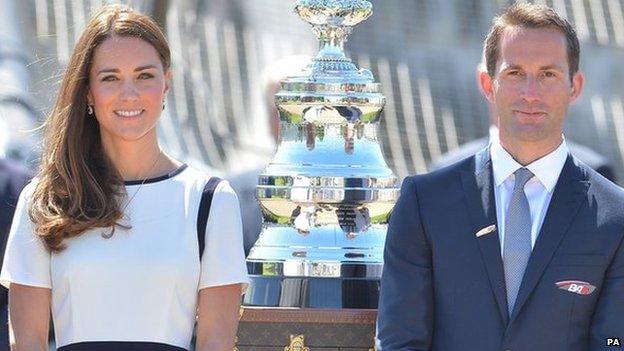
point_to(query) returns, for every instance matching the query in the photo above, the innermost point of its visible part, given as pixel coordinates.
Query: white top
(538, 190)
(142, 284)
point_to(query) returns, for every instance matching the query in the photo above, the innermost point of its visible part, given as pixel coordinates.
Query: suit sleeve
(608, 320)
(405, 319)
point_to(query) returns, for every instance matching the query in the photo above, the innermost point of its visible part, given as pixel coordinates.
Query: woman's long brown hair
(78, 188)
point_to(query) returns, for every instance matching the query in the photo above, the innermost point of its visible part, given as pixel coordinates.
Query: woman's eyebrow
(116, 70)
(144, 67)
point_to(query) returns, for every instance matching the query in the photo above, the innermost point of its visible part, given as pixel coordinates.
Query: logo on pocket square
(486, 230)
(576, 286)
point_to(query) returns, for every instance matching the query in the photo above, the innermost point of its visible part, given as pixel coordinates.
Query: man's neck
(526, 153)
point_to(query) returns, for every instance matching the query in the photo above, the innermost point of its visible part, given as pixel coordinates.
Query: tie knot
(522, 177)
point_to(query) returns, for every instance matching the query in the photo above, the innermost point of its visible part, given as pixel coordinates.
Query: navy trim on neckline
(171, 174)
(119, 346)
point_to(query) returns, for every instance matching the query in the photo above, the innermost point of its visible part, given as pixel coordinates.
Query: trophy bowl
(333, 12)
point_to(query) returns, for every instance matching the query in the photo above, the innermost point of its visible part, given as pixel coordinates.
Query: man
(588, 156)
(519, 247)
(13, 177)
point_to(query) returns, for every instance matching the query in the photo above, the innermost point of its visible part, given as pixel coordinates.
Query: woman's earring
(163, 106)
(89, 109)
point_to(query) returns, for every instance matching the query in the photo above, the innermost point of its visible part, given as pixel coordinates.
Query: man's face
(531, 89)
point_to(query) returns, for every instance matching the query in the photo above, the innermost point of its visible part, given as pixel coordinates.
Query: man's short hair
(526, 15)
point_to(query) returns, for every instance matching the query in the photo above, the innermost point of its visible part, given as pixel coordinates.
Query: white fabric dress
(140, 286)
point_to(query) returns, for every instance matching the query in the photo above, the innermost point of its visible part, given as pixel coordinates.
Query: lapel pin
(576, 286)
(486, 230)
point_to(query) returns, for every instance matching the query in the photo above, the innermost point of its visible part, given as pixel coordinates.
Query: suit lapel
(479, 190)
(568, 194)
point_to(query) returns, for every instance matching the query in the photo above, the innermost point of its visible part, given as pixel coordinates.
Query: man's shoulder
(605, 201)
(463, 152)
(445, 174)
(593, 159)
(601, 188)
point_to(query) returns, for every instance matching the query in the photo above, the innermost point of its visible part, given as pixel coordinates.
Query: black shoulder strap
(204, 211)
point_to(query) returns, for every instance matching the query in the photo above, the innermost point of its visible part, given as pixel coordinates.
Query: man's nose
(531, 89)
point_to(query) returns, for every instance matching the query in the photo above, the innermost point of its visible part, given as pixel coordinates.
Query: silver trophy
(327, 194)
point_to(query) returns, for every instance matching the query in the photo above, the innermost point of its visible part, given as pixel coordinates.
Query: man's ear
(486, 83)
(578, 81)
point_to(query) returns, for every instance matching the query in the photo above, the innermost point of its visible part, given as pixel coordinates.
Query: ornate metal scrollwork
(296, 344)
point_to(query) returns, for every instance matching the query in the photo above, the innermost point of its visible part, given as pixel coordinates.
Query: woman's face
(127, 88)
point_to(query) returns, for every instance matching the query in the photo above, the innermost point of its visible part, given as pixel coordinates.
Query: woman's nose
(130, 91)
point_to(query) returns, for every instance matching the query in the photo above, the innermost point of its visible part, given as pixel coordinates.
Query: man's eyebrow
(542, 68)
(553, 66)
(115, 70)
(512, 66)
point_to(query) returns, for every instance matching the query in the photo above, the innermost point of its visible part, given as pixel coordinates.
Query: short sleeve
(223, 260)
(26, 259)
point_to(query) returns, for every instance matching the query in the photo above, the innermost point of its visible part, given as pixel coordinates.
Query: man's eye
(549, 74)
(146, 76)
(514, 73)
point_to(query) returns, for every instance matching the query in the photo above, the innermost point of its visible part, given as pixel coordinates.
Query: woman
(106, 236)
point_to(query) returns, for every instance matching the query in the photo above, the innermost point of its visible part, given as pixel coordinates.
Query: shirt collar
(546, 169)
(493, 131)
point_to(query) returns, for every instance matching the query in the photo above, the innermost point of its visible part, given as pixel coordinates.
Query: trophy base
(312, 292)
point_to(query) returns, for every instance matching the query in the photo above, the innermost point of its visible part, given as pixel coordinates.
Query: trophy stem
(331, 41)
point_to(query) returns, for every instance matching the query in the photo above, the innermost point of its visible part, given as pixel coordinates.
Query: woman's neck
(137, 159)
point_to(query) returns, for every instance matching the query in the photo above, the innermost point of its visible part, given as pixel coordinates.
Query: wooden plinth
(269, 328)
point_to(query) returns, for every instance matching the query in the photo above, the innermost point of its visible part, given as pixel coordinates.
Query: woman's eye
(109, 78)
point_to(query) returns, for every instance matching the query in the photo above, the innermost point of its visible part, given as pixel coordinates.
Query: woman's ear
(168, 78)
(89, 96)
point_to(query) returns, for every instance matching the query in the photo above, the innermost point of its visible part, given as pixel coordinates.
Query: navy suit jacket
(443, 288)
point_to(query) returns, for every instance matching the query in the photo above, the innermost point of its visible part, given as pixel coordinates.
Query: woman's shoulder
(29, 188)
(193, 173)
(200, 178)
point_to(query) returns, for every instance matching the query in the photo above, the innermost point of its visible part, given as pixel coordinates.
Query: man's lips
(529, 113)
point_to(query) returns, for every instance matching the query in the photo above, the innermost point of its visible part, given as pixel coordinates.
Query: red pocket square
(576, 286)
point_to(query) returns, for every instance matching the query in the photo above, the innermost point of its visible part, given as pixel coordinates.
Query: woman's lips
(129, 113)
